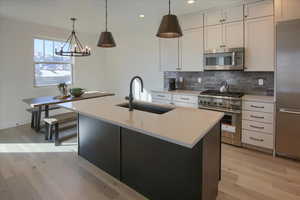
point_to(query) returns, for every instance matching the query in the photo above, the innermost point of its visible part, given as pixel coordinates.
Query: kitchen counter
(259, 98)
(182, 126)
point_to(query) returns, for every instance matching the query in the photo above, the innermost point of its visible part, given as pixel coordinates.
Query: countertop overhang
(182, 126)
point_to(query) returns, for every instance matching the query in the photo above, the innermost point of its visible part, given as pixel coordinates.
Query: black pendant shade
(169, 26)
(106, 39)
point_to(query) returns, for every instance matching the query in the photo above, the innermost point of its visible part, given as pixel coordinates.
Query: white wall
(137, 53)
(16, 67)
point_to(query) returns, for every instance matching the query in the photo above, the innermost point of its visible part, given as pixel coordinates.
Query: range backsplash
(246, 82)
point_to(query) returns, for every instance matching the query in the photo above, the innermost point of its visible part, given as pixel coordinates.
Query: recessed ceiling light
(191, 1)
(141, 16)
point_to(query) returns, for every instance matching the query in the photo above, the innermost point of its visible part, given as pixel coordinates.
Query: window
(50, 69)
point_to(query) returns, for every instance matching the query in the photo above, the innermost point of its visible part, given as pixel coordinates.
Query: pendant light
(169, 27)
(73, 47)
(106, 39)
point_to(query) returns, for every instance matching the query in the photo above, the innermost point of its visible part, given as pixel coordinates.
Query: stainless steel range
(231, 104)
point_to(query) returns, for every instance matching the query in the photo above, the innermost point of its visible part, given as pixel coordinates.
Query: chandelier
(73, 47)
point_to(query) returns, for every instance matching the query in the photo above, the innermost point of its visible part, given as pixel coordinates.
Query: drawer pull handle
(257, 127)
(185, 99)
(160, 95)
(255, 139)
(257, 117)
(253, 106)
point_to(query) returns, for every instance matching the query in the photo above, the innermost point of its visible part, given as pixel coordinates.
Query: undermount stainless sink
(147, 107)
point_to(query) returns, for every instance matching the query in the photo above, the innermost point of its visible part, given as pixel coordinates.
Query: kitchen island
(174, 155)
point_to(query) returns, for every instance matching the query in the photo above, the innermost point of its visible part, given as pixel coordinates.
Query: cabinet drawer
(159, 101)
(183, 104)
(257, 126)
(257, 139)
(161, 96)
(258, 106)
(186, 99)
(258, 116)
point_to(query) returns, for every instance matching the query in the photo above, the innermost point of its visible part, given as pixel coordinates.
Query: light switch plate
(180, 79)
(199, 80)
(260, 82)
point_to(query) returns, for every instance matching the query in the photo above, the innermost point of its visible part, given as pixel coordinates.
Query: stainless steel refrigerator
(288, 89)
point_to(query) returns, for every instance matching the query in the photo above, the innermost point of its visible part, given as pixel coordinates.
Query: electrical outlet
(260, 82)
(180, 79)
(199, 80)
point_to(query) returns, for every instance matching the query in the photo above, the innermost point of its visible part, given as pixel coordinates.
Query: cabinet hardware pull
(253, 106)
(255, 139)
(257, 127)
(185, 98)
(160, 95)
(257, 117)
(289, 112)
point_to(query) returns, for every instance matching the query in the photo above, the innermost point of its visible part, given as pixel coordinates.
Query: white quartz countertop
(259, 98)
(180, 92)
(182, 126)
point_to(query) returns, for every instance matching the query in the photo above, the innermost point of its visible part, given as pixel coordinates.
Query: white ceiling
(91, 12)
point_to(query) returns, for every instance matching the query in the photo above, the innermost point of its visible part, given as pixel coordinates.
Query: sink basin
(147, 107)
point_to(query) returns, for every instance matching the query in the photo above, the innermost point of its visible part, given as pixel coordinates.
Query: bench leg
(50, 133)
(32, 119)
(56, 138)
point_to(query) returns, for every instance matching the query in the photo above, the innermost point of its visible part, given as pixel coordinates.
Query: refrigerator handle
(289, 112)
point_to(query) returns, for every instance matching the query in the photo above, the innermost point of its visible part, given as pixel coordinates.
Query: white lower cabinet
(175, 99)
(257, 139)
(258, 124)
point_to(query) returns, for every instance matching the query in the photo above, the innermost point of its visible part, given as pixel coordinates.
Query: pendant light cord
(106, 15)
(169, 7)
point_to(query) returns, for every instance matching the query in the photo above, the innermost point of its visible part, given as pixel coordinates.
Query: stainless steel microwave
(224, 59)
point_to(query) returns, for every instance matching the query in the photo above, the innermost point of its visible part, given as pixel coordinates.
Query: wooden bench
(34, 113)
(53, 123)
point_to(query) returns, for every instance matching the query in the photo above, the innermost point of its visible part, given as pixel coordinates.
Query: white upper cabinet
(233, 14)
(287, 10)
(233, 35)
(169, 54)
(191, 47)
(259, 44)
(226, 15)
(213, 36)
(213, 17)
(229, 35)
(259, 9)
(191, 21)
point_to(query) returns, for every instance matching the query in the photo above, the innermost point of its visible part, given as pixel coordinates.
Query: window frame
(72, 63)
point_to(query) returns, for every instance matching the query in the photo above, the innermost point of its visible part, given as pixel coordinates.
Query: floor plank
(31, 168)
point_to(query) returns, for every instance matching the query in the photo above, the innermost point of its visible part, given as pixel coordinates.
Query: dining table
(41, 104)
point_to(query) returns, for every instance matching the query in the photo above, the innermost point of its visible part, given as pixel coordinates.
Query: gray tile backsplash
(246, 82)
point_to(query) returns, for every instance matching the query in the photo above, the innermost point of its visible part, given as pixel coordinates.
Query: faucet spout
(130, 97)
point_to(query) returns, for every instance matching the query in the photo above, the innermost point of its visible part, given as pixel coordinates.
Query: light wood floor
(31, 169)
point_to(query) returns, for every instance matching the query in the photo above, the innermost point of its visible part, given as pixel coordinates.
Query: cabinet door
(99, 143)
(169, 54)
(192, 50)
(260, 9)
(287, 10)
(234, 34)
(213, 17)
(213, 37)
(233, 14)
(259, 44)
(190, 21)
